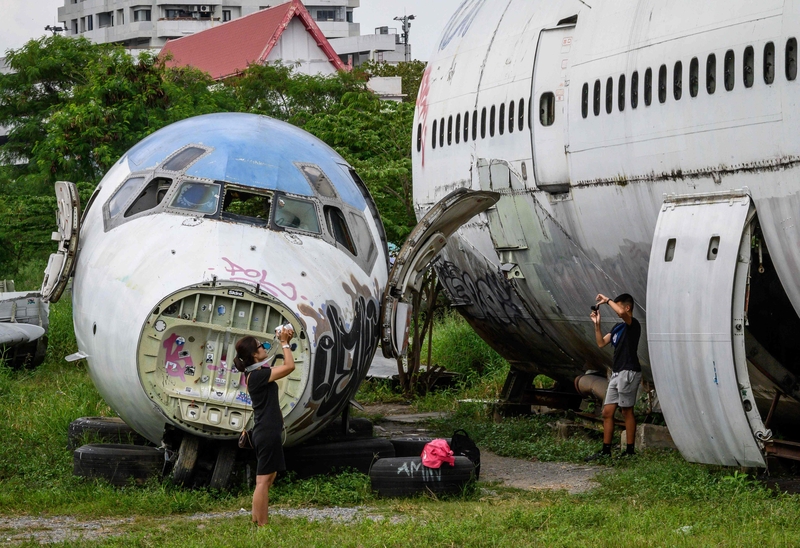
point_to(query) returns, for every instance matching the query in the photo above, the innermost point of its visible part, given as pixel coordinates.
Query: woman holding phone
(251, 359)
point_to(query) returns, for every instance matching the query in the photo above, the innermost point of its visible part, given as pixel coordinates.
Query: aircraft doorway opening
(771, 342)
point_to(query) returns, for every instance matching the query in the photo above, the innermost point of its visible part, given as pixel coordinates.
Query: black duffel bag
(462, 444)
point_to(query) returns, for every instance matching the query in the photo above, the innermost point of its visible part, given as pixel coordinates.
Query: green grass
(653, 499)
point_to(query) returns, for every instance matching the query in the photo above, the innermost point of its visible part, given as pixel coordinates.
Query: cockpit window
(246, 205)
(318, 180)
(363, 237)
(337, 226)
(181, 160)
(195, 196)
(296, 213)
(150, 197)
(123, 193)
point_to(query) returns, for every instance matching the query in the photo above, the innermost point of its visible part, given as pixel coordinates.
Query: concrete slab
(414, 418)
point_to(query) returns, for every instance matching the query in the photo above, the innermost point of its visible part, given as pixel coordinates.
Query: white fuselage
(591, 170)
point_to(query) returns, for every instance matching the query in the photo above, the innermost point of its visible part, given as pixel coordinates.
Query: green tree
(411, 73)
(375, 137)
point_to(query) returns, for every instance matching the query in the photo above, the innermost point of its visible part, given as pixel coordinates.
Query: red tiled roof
(227, 49)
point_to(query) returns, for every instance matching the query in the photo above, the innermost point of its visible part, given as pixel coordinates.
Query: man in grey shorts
(626, 371)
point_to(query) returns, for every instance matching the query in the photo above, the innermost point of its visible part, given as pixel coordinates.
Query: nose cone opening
(186, 350)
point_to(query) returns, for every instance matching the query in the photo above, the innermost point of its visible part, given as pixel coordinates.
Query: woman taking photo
(251, 358)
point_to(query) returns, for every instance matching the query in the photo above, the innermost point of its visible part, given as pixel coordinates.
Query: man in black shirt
(626, 372)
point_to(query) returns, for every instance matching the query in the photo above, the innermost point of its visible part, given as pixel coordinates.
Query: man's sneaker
(597, 456)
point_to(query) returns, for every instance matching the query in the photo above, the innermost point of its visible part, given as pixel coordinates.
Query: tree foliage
(73, 108)
(411, 73)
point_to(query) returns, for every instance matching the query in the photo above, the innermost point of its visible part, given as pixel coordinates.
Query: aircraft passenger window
(748, 67)
(502, 120)
(791, 59)
(711, 74)
(521, 115)
(769, 63)
(296, 213)
(450, 130)
(694, 76)
(730, 70)
(547, 109)
(419, 138)
(183, 159)
(492, 118)
(530, 115)
(662, 84)
(337, 226)
(475, 125)
(511, 117)
(150, 197)
(458, 128)
(246, 204)
(433, 139)
(596, 102)
(635, 89)
(122, 195)
(609, 95)
(195, 196)
(318, 180)
(621, 93)
(670, 253)
(677, 81)
(483, 123)
(466, 126)
(441, 132)
(648, 87)
(585, 101)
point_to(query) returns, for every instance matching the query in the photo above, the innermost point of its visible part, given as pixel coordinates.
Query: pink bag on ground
(436, 452)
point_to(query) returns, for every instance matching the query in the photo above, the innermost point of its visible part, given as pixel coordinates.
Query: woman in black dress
(251, 358)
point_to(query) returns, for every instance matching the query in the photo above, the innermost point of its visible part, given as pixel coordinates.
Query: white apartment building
(141, 24)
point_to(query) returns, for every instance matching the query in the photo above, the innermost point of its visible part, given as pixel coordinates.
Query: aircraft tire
(187, 459)
(311, 460)
(410, 447)
(103, 430)
(405, 477)
(223, 469)
(117, 463)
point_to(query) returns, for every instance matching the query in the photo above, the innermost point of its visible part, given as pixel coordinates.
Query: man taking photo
(626, 372)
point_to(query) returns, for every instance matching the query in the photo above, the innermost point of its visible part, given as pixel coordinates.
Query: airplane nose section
(186, 350)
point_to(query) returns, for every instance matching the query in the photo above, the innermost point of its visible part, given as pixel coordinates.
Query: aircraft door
(421, 247)
(62, 263)
(696, 287)
(548, 110)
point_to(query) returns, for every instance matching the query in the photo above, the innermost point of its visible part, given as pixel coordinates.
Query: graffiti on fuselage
(343, 353)
(489, 295)
(461, 21)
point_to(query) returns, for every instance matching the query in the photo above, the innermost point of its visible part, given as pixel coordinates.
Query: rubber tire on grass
(411, 446)
(311, 460)
(104, 430)
(405, 477)
(226, 458)
(187, 459)
(117, 463)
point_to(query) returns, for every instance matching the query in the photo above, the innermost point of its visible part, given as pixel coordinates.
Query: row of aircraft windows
(729, 78)
(462, 128)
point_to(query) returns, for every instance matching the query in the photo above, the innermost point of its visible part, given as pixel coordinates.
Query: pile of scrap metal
(24, 321)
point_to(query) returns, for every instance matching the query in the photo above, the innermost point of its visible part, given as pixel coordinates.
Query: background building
(143, 24)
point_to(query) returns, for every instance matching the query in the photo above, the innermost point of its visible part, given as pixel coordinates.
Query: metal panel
(695, 293)
(550, 77)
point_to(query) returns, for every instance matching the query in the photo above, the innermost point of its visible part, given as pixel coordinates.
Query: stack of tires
(404, 474)
(117, 453)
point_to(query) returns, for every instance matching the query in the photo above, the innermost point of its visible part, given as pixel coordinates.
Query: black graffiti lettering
(336, 378)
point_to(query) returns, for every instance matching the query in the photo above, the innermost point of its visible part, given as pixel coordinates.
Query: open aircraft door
(696, 293)
(421, 247)
(62, 263)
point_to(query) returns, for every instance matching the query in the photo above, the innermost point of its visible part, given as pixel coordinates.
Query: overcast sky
(26, 19)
